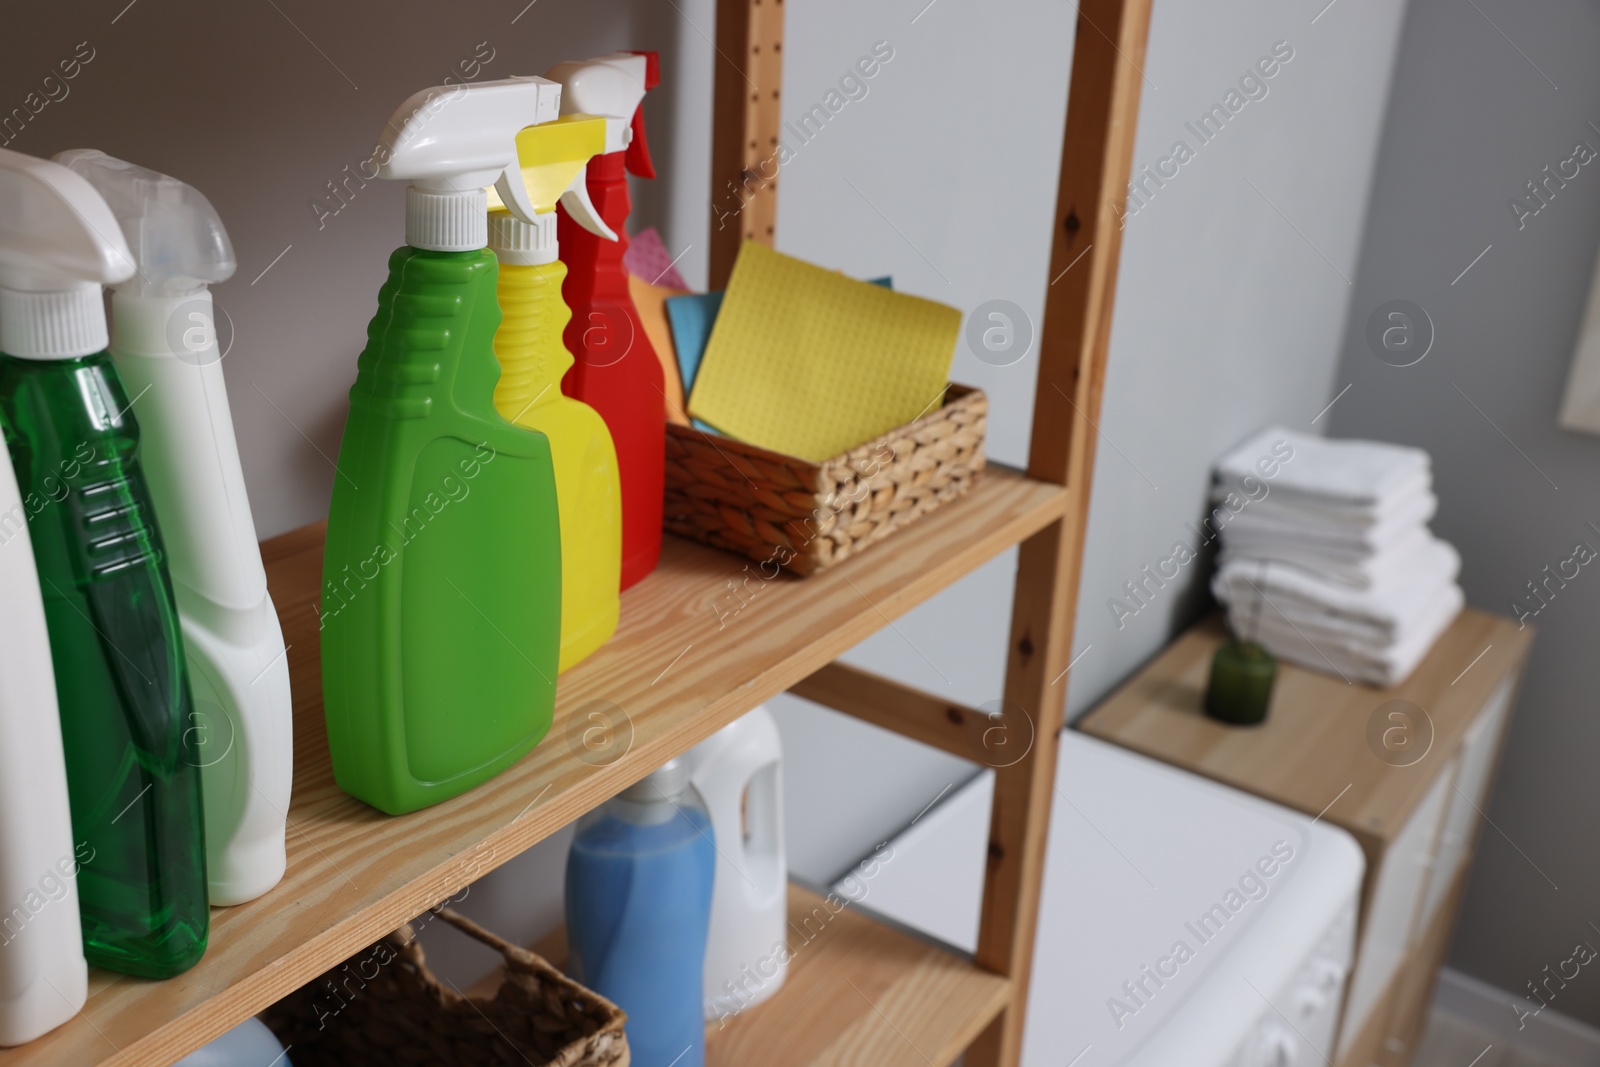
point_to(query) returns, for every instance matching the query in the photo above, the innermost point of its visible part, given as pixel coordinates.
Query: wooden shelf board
(858, 992)
(679, 668)
(1313, 753)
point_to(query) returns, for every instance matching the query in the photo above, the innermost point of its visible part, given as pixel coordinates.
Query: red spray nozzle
(652, 68)
(637, 159)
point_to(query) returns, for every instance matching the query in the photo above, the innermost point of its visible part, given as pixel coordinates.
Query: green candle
(1242, 673)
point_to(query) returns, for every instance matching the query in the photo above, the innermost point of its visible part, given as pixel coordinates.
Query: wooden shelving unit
(683, 664)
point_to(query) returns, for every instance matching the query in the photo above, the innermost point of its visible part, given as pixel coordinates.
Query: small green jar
(1240, 690)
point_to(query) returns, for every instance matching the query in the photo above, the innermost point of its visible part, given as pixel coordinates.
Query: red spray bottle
(615, 370)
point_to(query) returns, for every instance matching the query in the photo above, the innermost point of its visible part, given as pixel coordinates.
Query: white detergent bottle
(43, 977)
(164, 345)
(738, 771)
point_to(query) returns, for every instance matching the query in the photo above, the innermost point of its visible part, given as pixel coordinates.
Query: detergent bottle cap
(59, 243)
(451, 142)
(665, 782)
(175, 235)
(613, 87)
(553, 158)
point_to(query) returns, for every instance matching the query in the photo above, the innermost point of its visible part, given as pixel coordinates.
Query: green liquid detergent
(133, 773)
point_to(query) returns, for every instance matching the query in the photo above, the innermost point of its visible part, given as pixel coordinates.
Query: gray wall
(261, 112)
(1471, 121)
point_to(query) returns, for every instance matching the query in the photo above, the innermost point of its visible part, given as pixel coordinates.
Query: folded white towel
(1363, 571)
(1286, 504)
(1355, 662)
(1248, 531)
(1356, 635)
(1386, 608)
(1360, 473)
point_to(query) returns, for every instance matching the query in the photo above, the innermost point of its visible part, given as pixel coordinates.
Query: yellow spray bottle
(533, 358)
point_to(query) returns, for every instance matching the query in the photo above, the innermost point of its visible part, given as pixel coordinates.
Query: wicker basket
(804, 516)
(384, 1007)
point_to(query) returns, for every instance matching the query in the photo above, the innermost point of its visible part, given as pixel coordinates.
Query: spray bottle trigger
(514, 193)
(575, 198)
(637, 159)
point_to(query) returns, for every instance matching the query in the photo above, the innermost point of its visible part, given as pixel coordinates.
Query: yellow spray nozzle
(552, 155)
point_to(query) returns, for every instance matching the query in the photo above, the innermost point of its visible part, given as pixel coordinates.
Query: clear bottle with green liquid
(133, 774)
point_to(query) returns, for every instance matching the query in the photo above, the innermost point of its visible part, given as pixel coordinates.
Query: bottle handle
(741, 781)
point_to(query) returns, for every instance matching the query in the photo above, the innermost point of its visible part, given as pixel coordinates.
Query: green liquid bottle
(441, 594)
(133, 776)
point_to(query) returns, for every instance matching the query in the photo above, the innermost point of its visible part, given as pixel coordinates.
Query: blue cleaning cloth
(692, 318)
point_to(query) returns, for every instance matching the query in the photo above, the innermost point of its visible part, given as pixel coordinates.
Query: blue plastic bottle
(639, 909)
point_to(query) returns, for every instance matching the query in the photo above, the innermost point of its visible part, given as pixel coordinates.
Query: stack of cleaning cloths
(1327, 561)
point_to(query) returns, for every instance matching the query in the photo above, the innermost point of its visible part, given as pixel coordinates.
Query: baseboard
(1558, 1037)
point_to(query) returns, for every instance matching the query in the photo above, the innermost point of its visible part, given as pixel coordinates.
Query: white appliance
(1183, 922)
(1144, 858)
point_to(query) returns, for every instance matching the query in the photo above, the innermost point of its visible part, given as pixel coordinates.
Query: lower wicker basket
(803, 516)
(384, 1006)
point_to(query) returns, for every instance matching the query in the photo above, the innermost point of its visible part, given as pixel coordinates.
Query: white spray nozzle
(176, 236)
(451, 142)
(610, 86)
(59, 243)
(575, 198)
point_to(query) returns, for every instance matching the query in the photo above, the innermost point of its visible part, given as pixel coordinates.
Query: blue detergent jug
(639, 879)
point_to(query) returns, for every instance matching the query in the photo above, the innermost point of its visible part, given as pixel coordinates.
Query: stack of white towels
(1329, 562)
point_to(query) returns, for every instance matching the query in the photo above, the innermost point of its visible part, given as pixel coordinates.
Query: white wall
(944, 177)
(1234, 283)
(1228, 317)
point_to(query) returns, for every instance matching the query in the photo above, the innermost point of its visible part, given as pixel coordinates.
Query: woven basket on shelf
(384, 1006)
(805, 516)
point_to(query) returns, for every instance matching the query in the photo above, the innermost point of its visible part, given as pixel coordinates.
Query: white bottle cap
(63, 324)
(445, 222)
(518, 243)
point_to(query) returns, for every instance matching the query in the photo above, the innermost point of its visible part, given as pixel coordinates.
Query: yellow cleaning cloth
(811, 363)
(651, 302)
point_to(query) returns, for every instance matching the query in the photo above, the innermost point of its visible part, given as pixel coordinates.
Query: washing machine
(1185, 924)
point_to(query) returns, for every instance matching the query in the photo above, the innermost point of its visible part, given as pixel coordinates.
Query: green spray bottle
(441, 595)
(133, 772)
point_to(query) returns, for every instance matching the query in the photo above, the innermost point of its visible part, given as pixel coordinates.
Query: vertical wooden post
(1096, 156)
(744, 134)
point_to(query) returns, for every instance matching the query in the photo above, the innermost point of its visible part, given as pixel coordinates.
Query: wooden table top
(1321, 750)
